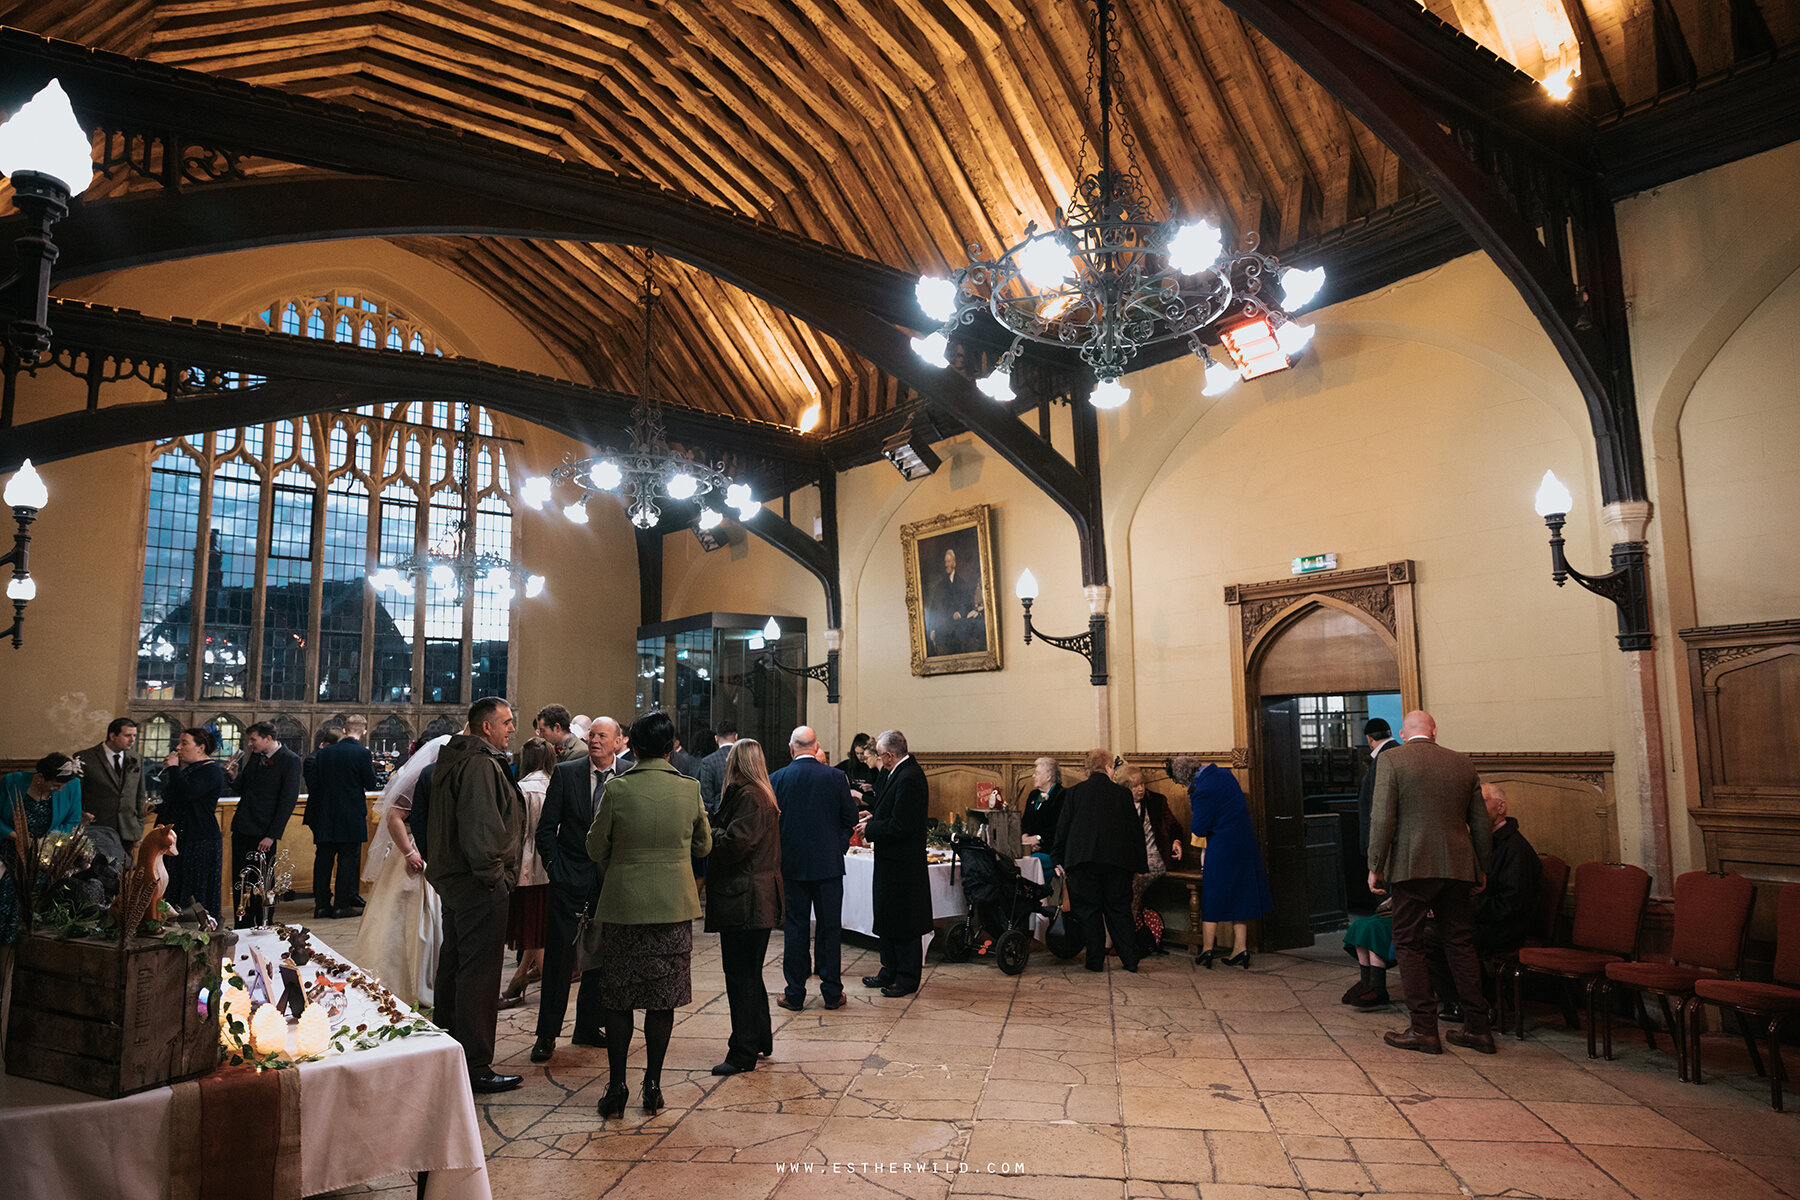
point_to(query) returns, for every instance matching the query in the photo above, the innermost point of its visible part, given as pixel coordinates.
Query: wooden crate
(90, 1016)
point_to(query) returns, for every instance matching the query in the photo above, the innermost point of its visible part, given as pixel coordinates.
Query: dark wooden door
(1284, 827)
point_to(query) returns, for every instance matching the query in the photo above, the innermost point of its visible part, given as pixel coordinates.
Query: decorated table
(946, 890)
(388, 1096)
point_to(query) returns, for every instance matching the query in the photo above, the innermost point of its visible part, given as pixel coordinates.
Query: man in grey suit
(575, 879)
(1429, 840)
(817, 815)
(112, 783)
(712, 767)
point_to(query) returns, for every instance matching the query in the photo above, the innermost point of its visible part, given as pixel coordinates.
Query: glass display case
(703, 669)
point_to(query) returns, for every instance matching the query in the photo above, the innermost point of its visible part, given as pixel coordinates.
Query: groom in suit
(562, 830)
(112, 783)
(901, 889)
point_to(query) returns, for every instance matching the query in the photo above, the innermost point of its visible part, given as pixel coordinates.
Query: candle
(315, 1032)
(268, 1031)
(234, 1004)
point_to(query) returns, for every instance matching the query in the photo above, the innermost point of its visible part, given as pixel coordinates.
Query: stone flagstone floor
(1173, 1084)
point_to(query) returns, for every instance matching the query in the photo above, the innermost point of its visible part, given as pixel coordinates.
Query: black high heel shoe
(1205, 959)
(652, 1096)
(613, 1103)
(1239, 960)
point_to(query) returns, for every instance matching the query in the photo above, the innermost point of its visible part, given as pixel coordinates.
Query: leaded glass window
(261, 541)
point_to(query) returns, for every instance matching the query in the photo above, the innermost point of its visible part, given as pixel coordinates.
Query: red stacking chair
(1773, 1002)
(1712, 918)
(1609, 911)
(1553, 881)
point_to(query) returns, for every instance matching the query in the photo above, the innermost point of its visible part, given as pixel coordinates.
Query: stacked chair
(1768, 1004)
(1609, 913)
(1712, 919)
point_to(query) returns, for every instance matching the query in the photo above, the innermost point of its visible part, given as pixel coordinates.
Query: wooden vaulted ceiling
(898, 130)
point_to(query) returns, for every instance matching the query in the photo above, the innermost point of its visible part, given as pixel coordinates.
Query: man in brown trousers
(1429, 840)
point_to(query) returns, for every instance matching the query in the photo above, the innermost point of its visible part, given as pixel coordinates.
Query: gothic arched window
(261, 540)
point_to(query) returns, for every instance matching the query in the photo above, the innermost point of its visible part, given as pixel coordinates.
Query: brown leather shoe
(1482, 1042)
(1406, 1039)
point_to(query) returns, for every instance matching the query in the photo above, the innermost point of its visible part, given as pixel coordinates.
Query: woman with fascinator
(51, 794)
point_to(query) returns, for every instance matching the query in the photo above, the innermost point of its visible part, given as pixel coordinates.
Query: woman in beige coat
(649, 827)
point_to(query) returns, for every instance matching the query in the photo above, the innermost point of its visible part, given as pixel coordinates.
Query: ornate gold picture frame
(950, 592)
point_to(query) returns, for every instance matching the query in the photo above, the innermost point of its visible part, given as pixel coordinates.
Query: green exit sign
(1315, 562)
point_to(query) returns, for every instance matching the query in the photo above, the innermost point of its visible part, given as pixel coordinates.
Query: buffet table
(401, 1107)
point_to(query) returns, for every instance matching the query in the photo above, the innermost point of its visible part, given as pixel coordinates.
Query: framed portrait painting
(950, 592)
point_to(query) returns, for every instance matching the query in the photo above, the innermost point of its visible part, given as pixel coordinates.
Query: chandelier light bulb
(44, 136)
(26, 488)
(442, 576)
(710, 519)
(682, 486)
(1044, 262)
(772, 631)
(1028, 586)
(1293, 337)
(536, 491)
(1553, 499)
(937, 297)
(497, 577)
(748, 509)
(934, 348)
(1220, 378)
(1195, 247)
(1299, 287)
(1109, 394)
(576, 512)
(21, 589)
(997, 386)
(534, 586)
(606, 476)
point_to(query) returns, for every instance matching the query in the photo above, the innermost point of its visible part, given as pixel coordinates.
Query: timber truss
(1514, 174)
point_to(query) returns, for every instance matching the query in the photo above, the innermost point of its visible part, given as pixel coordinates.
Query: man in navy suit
(817, 815)
(337, 809)
(575, 879)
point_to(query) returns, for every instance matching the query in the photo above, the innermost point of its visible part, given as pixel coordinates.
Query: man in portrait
(955, 622)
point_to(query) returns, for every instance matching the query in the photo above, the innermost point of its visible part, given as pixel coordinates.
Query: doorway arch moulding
(1380, 596)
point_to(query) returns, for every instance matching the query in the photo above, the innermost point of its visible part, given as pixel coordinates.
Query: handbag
(1065, 938)
(587, 941)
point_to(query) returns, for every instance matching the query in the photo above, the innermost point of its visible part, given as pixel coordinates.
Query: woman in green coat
(649, 826)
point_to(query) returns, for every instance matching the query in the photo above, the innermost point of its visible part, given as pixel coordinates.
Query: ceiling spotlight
(809, 420)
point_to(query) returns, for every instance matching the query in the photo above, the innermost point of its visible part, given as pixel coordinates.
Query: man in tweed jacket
(1429, 840)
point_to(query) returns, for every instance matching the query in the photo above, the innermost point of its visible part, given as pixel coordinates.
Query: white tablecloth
(402, 1107)
(946, 894)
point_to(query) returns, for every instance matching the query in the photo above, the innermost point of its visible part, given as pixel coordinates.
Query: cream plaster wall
(75, 669)
(1417, 430)
(1710, 263)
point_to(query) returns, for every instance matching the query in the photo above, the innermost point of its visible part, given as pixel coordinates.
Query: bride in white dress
(402, 924)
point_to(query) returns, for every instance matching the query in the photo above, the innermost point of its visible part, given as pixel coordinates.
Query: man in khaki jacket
(476, 838)
(1429, 839)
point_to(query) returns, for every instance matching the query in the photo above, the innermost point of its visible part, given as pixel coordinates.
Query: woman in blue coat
(1234, 887)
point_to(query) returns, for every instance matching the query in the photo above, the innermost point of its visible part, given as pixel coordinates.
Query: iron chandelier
(649, 471)
(1109, 279)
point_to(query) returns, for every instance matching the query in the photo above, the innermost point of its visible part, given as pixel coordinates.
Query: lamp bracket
(825, 672)
(1090, 645)
(1626, 585)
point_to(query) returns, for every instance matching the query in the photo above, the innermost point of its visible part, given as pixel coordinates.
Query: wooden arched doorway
(1342, 632)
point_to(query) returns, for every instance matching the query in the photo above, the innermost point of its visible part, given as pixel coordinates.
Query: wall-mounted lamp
(1626, 585)
(49, 157)
(1090, 645)
(25, 494)
(825, 672)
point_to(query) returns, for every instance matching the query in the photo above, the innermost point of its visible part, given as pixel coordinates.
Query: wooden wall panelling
(1745, 682)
